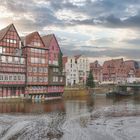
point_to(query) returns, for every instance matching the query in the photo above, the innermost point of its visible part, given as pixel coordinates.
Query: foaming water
(86, 118)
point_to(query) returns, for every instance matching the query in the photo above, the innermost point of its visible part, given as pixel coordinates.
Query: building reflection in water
(71, 107)
(32, 107)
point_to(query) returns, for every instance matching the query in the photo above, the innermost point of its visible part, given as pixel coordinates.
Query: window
(43, 61)
(10, 59)
(37, 60)
(19, 77)
(43, 51)
(29, 69)
(16, 59)
(0, 49)
(55, 69)
(29, 79)
(40, 79)
(8, 40)
(1, 77)
(45, 70)
(23, 77)
(37, 44)
(45, 79)
(6, 77)
(3, 50)
(15, 77)
(10, 77)
(55, 62)
(34, 79)
(3, 58)
(40, 70)
(12, 41)
(61, 79)
(22, 60)
(34, 69)
(32, 60)
(55, 79)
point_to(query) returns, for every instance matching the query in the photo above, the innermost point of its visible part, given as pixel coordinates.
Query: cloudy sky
(99, 29)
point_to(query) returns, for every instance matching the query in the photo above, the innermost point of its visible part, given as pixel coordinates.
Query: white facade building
(76, 69)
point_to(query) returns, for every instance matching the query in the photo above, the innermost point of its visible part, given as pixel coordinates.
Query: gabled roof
(30, 36)
(77, 56)
(47, 39)
(4, 31)
(95, 64)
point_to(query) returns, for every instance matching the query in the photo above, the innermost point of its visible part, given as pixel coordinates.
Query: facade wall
(119, 71)
(36, 64)
(76, 70)
(96, 71)
(12, 64)
(53, 52)
(83, 68)
(29, 67)
(71, 71)
(56, 78)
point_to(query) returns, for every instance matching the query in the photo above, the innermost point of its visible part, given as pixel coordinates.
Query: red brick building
(96, 69)
(118, 70)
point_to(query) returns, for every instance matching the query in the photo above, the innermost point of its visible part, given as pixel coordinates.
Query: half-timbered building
(36, 64)
(30, 65)
(56, 77)
(12, 64)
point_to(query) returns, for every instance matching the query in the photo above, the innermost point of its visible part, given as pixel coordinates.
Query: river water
(85, 118)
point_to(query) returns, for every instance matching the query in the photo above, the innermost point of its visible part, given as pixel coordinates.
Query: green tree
(90, 80)
(60, 61)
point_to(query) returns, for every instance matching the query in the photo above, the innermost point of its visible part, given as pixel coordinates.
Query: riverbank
(68, 93)
(75, 92)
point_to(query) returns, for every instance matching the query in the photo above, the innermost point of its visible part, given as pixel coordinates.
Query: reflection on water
(71, 107)
(85, 118)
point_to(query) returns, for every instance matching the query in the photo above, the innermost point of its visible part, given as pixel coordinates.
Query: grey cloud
(108, 52)
(108, 13)
(135, 42)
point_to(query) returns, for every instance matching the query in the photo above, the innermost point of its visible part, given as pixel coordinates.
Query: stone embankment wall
(75, 92)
